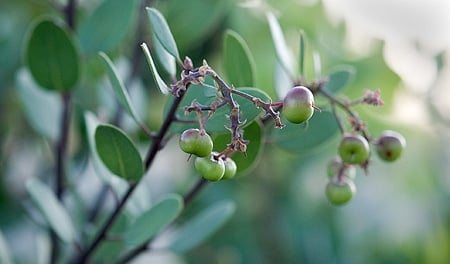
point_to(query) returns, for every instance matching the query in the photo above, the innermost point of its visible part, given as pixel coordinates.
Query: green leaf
(156, 77)
(118, 153)
(198, 229)
(45, 120)
(245, 163)
(300, 139)
(154, 220)
(4, 251)
(165, 59)
(282, 81)
(53, 211)
(302, 53)
(238, 61)
(107, 25)
(162, 31)
(119, 88)
(340, 77)
(52, 56)
(282, 51)
(118, 184)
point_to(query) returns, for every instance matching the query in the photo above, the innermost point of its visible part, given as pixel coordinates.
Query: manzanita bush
(219, 122)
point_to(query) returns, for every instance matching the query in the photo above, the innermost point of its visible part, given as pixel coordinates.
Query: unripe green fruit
(193, 142)
(354, 149)
(340, 192)
(335, 165)
(390, 145)
(230, 169)
(210, 168)
(298, 105)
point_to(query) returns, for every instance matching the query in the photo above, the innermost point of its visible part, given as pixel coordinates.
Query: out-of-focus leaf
(252, 133)
(52, 56)
(219, 119)
(238, 61)
(340, 77)
(107, 25)
(165, 58)
(162, 32)
(282, 81)
(154, 220)
(118, 153)
(119, 88)
(45, 120)
(4, 251)
(281, 49)
(198, 229)
(301, 63)
(158, 80)
(304, 138)
(53, 211)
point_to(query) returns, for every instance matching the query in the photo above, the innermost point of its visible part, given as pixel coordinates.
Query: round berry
(298, 105)
(210, 168)
(390, 145)
(354, 149)
(230, 168)
(335, 166)
(193, 141)
(340, 192)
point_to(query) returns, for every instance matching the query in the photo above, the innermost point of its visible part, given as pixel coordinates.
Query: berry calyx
(210, 168)
(193, 141)
(340, 192)
(298, 105)
(230, 168)
(390, 145)
(354, 149)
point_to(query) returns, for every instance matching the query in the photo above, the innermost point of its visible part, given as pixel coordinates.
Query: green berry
(340, 192)
(230, 168)
(334, 167)
(193, 141)
(390, 145)
(210, 168)
(354, 149)
(298, 105)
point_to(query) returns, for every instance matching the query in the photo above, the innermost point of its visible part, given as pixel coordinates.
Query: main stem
(155, 147)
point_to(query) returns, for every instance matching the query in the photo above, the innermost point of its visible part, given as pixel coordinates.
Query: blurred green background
(401, 212)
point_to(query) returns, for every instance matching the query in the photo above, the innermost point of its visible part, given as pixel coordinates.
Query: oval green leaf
(119, 88)
(52, 210)
(304, 138)
(245, 163)
(45, 120)
(166, 60)
(156, 77)
(238, 62)
(340, 77)
(282, 51)
(107, 25)
(118, 153)
(162, 32)
(52, 56)
(154, 220)
(198, 229)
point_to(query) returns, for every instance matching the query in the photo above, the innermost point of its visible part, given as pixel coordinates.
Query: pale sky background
(413, 32)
